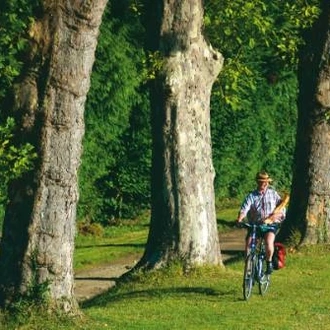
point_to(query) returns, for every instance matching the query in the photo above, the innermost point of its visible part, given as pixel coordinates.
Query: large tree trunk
(183, 219)
(39, 227)
(309, 210)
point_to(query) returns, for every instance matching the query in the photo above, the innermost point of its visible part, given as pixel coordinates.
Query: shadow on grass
(134, 245)
(114, 295)
(234, 256)
(111, 296)
(225, 224)
(88, 278)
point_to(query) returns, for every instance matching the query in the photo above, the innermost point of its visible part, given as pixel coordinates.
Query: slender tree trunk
(183, 219)
(309, 210)
(39, 226)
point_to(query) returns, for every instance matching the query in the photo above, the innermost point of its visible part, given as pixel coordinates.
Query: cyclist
(258, 206)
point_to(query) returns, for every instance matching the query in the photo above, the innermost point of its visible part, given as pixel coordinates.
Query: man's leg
(269, 240)
(247, 243)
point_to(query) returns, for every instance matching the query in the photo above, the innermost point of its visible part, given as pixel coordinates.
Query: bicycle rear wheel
(248, 276)
(263, 278)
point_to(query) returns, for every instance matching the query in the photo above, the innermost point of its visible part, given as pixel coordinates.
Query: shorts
(272, 228)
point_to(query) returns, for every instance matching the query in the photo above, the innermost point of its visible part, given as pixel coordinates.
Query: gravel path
(93, 282)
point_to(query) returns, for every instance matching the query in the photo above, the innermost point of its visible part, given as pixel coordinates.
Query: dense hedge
(253, 104)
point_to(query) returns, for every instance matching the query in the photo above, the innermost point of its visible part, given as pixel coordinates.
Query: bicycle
(255, 262)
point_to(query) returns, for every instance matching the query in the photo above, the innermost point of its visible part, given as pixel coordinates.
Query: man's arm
(240, 217)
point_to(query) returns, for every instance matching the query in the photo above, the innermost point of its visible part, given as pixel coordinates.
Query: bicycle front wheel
(264, 279)
(248, 276)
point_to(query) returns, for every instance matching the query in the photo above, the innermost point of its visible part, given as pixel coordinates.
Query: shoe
(269, 269)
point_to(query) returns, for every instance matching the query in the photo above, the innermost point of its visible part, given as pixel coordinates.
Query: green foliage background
(253, 104)
(114, 176)
(15, 157)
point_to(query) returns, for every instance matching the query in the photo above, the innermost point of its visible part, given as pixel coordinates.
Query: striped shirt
(258, 206)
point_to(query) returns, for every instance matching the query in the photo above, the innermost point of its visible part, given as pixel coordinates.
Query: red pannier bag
(279, 256)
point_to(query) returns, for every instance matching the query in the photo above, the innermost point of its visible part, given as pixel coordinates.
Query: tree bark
(39, 227)
(309, 211)
(183, 219)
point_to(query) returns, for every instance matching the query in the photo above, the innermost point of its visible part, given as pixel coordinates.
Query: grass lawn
(298, 298)
(206, 299)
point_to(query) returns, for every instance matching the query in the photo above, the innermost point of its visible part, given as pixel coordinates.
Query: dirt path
(93, 282)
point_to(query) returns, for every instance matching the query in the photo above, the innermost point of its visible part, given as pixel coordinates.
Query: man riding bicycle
(259, 206)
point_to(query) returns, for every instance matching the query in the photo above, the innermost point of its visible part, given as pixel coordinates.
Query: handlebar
(243, 224)
(249, 225)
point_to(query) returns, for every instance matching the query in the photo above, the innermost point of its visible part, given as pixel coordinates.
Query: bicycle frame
(255, 264)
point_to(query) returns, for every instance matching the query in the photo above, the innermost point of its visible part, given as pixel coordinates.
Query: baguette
(278, 209)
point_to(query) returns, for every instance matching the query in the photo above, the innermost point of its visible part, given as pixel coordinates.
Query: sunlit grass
(226, 219)
(212, 299)
(91, 251)
(130, 238)
(205, 299)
